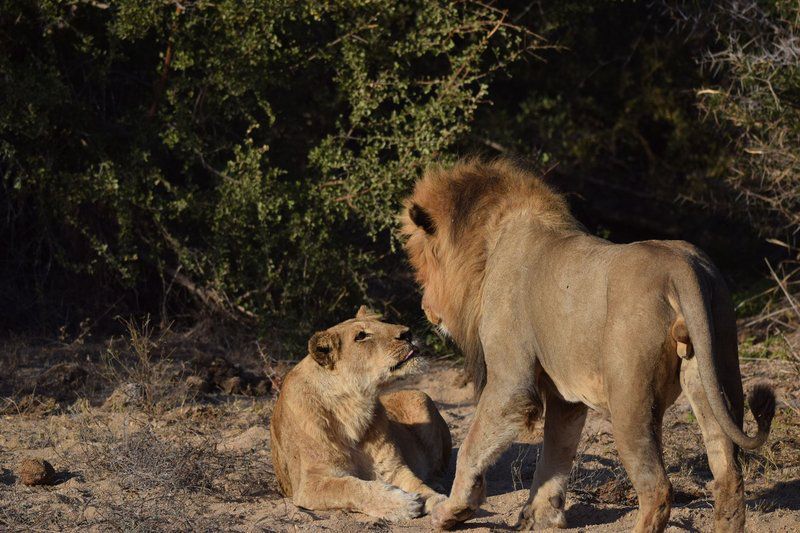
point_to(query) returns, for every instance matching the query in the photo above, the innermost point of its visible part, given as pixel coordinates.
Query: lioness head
(366, 351)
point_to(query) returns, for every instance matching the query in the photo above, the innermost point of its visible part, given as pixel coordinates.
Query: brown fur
(537, 304)
(466, 202)
(337, 443)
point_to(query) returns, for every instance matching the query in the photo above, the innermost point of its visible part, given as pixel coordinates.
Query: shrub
(758, 102)
(250, 154)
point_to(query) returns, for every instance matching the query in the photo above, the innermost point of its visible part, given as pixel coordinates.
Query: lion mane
(450, 224)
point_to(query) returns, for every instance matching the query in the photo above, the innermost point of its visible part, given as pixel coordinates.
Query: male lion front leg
(563, 423)
(501, 412)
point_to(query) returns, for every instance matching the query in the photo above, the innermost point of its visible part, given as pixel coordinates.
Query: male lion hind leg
(636, 419)
(502, 411)
(374, 498)
(722, 452)
(563, 423)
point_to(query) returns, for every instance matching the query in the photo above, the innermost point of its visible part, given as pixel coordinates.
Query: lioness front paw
(400, 505)
(447, 514)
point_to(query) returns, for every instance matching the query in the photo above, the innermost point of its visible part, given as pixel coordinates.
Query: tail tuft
(762, 403)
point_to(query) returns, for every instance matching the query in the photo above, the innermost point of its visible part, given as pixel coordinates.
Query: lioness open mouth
(412, 353)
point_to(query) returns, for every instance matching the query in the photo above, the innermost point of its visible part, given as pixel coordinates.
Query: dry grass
(148, 464)
(140, 364)
(121, 472)
(155, 464)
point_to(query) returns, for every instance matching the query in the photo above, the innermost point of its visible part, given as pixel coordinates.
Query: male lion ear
(421, 218)
(365, 313)
(323, 347)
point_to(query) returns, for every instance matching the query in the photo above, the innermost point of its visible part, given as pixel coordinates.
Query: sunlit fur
(340, 441)
(467, 203)
(543, 310)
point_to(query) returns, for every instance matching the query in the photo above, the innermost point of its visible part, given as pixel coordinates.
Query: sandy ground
(201, 463)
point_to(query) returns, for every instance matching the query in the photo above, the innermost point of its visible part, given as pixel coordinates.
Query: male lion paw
(446, 514)
(541, 516)
(433, 501)
(400, 505)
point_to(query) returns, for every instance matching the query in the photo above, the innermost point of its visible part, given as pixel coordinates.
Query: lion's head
(366, 352)
(449, 223)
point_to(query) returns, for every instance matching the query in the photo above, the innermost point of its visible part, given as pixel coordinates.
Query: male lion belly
(580, 387)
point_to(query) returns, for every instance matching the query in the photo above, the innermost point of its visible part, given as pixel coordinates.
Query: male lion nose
(405, 335)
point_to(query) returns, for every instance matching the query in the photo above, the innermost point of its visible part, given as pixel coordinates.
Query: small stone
(196, 383)
(36, 472)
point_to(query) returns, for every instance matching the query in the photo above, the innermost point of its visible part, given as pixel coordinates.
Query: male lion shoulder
(338, 443)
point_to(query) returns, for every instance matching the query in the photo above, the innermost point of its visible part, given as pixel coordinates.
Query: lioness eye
(361, 335)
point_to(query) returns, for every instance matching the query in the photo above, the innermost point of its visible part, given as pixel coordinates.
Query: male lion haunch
(338, 444)
(545, 312)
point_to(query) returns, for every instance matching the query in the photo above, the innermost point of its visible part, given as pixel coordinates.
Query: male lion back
(422, 433)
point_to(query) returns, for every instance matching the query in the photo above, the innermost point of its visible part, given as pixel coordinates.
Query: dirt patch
(144, 457)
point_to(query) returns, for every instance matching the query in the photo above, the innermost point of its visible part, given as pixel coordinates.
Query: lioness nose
(404, 335)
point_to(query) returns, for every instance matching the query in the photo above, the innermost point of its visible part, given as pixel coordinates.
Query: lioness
(338, 444)
(542, 309)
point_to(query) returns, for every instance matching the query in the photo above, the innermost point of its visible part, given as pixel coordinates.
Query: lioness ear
(421, 218)
(365, 312)
(323, 347)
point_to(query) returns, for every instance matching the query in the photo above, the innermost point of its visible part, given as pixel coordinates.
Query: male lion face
(366, 350)
(421, 246)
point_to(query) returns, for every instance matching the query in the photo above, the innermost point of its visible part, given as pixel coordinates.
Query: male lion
(542, 309)
(338, 444)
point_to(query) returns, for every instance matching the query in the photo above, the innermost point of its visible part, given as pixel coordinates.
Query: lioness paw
(400, 505)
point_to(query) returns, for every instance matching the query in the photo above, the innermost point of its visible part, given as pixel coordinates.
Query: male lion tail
(694, 298)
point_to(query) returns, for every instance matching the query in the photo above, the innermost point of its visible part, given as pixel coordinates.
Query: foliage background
(247, 159)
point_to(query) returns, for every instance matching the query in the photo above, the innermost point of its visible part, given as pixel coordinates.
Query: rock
(197, 384)
(217, 373)
(36, 472)
(232, 385)
(126, 395)
(255, 437)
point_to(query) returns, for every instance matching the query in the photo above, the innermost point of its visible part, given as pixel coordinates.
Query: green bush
(248, 155)
(248, 158)
(757, 102)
